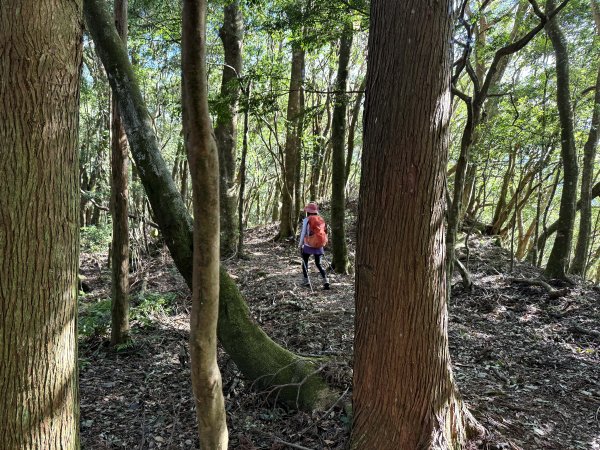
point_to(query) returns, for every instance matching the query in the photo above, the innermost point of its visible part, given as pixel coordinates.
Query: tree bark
(287, 226)
(203, 157)
(255, 354)
(242, 176)
(231, 34)
(119, 331)
(558, 261)
(579, 264)
(401, 309)
(338, 169)
(40, 64)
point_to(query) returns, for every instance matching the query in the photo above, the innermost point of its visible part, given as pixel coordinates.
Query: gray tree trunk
(287, 226)
(558, 261)
(338, 169)
(231, 34)
(579, 264)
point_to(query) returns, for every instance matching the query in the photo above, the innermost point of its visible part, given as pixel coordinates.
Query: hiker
(312, 240)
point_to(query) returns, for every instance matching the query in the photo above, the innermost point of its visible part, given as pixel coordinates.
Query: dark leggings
(305, 257)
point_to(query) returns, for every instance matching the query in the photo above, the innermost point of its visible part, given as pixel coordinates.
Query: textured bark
(231, 34)
(579, 263)
(256, 355)
(401, 312)
(339, 249)
(287, 226)
(119, 332)
(40, 64)
(203, 156)
(558, 261)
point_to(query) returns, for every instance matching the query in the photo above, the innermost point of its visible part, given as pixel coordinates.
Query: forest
(293, 224)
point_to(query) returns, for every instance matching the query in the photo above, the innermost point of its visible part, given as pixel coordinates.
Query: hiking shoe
(305, 281)
(326, 285)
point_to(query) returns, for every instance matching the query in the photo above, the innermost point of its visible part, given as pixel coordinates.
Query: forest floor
(527, 365)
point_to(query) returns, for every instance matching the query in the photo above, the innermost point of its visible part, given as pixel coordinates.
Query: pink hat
(312, 208)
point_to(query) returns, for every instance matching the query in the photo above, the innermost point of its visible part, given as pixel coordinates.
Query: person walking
(313, 239)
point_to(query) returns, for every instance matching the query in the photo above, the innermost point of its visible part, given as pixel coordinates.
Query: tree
(257, 356)
(338, 170)
(401, 309)
(204, 169)
(558, 261)
(226, 128)
(289, 215)
(119, 331)
(39, 223)
(579, 264)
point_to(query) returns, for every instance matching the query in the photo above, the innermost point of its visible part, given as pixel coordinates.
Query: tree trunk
(40, 65)
(579, 264)
(231, 34)
(242, 176)
(558, 261)
(401, 312)
(287, 227)
(203, 156)
(352, 129)
(119, 331)
(255, 354)
(338, 169)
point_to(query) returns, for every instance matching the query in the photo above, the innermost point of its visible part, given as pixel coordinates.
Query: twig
(552, 293)
(324, 415)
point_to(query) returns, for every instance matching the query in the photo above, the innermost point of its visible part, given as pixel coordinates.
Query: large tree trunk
(287, 226)
(401, 312)
(338, 170)
(119, 332)
(40, 63)
(226, 128)
(256, 355)
(558, 261)
(579, 264)
(204, 170)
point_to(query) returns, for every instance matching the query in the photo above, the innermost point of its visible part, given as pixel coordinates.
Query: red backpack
(318, 233)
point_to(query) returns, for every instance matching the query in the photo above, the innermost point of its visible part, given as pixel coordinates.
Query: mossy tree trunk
(204, 170)
(226, 128)
(401, 306)
(119, 196)
(257, 356)
(40, 64)
(558, 261)
(338, 169)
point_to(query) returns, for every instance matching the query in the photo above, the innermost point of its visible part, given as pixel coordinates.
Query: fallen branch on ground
(552, 293)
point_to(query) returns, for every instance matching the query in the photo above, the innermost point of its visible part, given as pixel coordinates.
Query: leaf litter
(527, 365)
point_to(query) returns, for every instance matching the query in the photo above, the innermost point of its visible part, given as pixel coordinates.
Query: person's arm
(303, 232)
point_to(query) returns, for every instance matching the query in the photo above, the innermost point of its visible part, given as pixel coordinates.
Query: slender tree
(404, 393)
(231, 34)
(558, 261)
(39, 223)
(338, 170)
(119, 198)
(579, 264)
(204, 169)
(287, 226)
